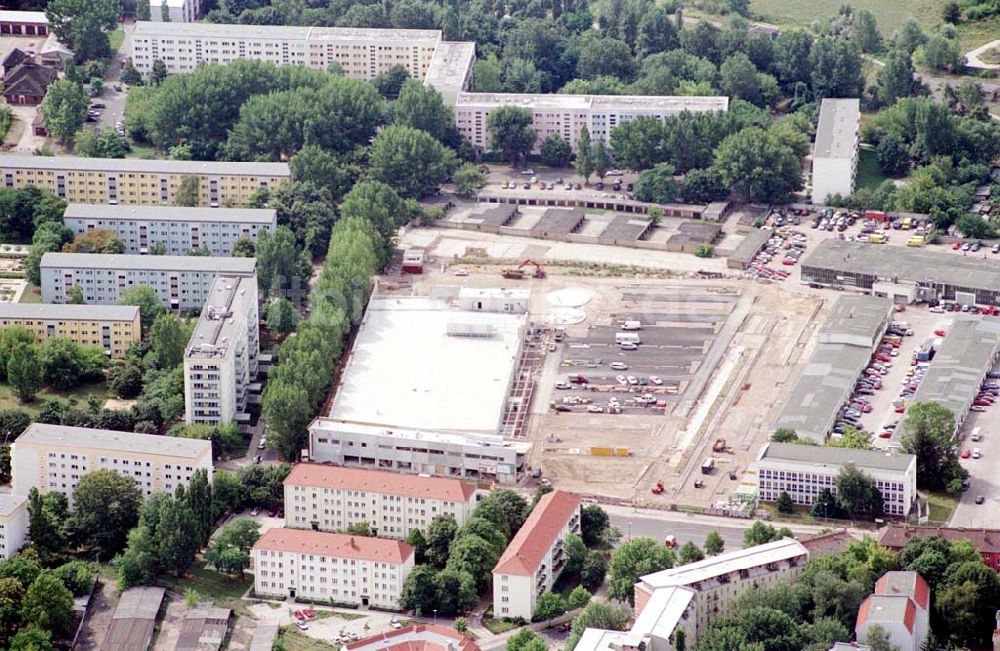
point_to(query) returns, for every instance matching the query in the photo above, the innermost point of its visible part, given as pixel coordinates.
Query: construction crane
(517, 273)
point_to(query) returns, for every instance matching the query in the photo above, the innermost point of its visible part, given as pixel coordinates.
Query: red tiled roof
(895, 536)
(419, 637)
(863, 613)
(910, 616)
(527, 549)
(833, 542)
(910, 584)
(380, 481)
(339, 545)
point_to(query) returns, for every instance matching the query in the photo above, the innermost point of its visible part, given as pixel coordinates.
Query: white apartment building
(566, 115)
(178, 230)
(221, 357)
(900, 604)
(181, 281)
(53, 458)
(331, 567)
(718, 581)
(535, 557)
(13, 524)
(332, 498)
(835, 153)
(473, 457)
(803, 471)
(177, 11)
(669, 611)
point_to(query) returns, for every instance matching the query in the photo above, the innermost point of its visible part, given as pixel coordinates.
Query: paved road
(115, 100)
(974, 59)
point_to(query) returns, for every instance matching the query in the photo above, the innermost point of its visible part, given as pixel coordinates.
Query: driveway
(973, 59)
(115, 100)
(328, 623)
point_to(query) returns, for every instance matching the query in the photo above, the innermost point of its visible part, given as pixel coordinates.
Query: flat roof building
(112, 328)
(13, 524)
(332, 498)
(416, 637)
(53, 458)
(905, 274)
(485, 458)
(566, 115)
(181, 281)
(220, 360)
(535, 557)
(835, 152)
(846, 341)
(23, 23)
(424, 363)
(747, 250)
(803, 471)
(204, 628)
(668, 612)
(134, 620)
(174, 230)
(140, 181)
(331, 567)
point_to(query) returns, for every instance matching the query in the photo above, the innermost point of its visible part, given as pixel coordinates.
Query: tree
(422, 107)
(633, 559)
(878, 639)
(158, 74)
(390, 82)
(440, 533)
(474, 556)
(598, 614)
(835, 68)
(280, 263)
(377, 204)
(941, 53)
(510, 132)
(230, 550)
(32, 639)
(584, 163)
(410, 161)
(11, 594)
(81, 25)
(511, 510)
(46, 527)
(758, 167)
(24, 371)
(244, 247)
(555, 152)
(281, 316)
(5, 473)
(951, 12)
(149, 304)
(605, 57)
(168, 339)
(98, 240)
(188, 191)
(420, 591)
(784, 503)
(714, 544)
(468, 179)
(738, 77)
(199, 497)
(101, 144)
(137, 565)
(525, 640)
(594, 522)
(928, 432)
(975, 226)
(456, 592)
(125, 379)
(130, 76)
(549, 606)
(657, 185)
(415, 538)
(64, 109)
(974, 579)
(690, 553)
(892, 154)
(895, 78)
(600, 158)
(760, 533)
(288, 412)
(106, 507)
(48, 604)
(578, 597)
(74, 295)
(826, 505)
(326, 170)
(359, 528)
(595, 566)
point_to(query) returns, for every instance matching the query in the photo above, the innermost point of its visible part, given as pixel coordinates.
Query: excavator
(518, 272)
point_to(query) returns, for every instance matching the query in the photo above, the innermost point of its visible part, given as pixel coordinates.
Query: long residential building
(486, 458)
(174, 11)
(181, 281)
(803, 471)
(112, 328)
(220, 361)
(535, 557)
(13, 524)
(835, 152)
(566, 115)
(53, 458)
(331, 567)
(140, 181)
(332, 498)
(177, 230)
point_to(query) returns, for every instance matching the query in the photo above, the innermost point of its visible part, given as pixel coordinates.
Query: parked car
(619, 366)
(980, 499)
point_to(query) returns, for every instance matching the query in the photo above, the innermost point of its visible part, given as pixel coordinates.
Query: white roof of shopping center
(406, 370)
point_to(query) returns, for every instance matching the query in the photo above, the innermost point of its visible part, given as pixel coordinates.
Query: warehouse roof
(240, 266)
(334, 545)
(203, 629)
(533, 540)
(837, 129)
(145, 165)
(170, 213)
(834, 458)
(861, 316)
(380, 481)
(68, 312)
(918, 265)
(283, 32)
(106, 439)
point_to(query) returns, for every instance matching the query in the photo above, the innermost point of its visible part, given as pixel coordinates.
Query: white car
(595, 409)
(263, 443)
(619, 366)
(622, 380)
(633, 380)
(563, 385)
(461, 272)
(976, 454)
(937, 309)
(655, 379)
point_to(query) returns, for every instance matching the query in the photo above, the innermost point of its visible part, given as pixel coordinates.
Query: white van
(627, 337)
(632, 325)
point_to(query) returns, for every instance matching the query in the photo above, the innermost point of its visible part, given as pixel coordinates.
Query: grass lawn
(889, 13)
(292, 640)
(9, 401)
(972, 35)
(223, 590)
(498, 626)
(31, 295)
(869, 173)
(991, 56)
(143, 151)
(115, 38)
(941, 507)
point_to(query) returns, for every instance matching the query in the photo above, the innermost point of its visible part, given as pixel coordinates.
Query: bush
(704, 250)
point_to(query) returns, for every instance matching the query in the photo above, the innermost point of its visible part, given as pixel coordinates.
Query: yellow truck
(916, 240)
(877, 238)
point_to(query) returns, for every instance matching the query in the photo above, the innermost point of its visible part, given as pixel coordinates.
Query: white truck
(627, 338)
(632, 325)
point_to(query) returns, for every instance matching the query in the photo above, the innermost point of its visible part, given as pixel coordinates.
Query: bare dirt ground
(102, 608)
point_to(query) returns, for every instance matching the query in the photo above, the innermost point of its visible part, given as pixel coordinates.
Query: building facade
(53, 458)
(112, 328)
(174, 230)
(986, 541)
(472, 457)
(535, 557)
(174, 11)
(835, 153)
(566, 115)
(23, 23)
(13, 524)
(220, 361)
(140, 181)
(900, 604)
(803, 471)
(331, 567)
(182, 282)
(332, 498)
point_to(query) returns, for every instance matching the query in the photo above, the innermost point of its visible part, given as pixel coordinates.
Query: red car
(982, 403)
(965, 454)
(956, 246)
(308, 613)
(900, 409)
(885, 435)
(940, 333)
(788, 261)
(299, 615)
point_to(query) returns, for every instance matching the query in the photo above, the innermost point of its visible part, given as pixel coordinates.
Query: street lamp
(435, 616)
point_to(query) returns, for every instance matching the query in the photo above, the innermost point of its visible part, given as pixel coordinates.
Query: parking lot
(983, 479)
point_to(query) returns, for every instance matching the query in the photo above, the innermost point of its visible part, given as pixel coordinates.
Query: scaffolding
(518, 405)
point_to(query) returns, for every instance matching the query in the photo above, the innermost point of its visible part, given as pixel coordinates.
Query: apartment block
(53, 458)
(535, 557)
(177, 230)
(13, 524)
(175, 11)
(181, 281)
(900, 604)
(835, 152)
(332, 498)
(803, 471)
(566, 115)
(331, 567)
(221, 358)
(140, 181)
(112, 328)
